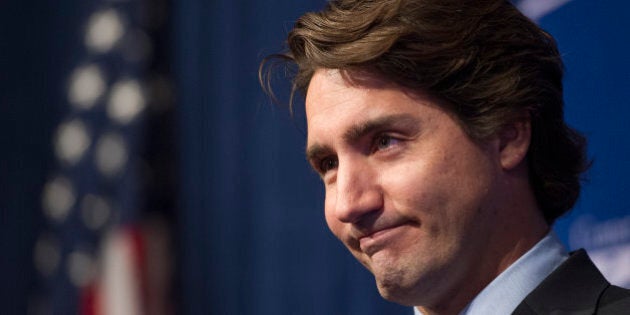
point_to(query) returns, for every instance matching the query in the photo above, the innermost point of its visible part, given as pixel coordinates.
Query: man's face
(407, 191)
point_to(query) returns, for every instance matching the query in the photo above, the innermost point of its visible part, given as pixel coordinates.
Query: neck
(519, 226)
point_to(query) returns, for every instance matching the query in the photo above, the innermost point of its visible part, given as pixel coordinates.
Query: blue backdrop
(250, 233)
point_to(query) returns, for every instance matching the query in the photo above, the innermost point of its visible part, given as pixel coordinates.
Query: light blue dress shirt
(510, 288)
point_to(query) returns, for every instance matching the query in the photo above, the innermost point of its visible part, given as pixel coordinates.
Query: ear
(514, 140)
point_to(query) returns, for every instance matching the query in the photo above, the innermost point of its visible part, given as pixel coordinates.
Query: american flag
(105, 245)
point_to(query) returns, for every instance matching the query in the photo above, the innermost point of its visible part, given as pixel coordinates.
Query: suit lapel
(573, 288)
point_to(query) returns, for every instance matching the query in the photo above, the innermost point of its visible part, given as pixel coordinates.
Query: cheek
(417, 186)
(329, 207)
(336, 228)
(433, 190)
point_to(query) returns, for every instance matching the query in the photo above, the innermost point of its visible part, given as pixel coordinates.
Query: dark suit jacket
(576, 287)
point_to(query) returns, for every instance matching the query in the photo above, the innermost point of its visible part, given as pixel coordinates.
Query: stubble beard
(397, 278)
(408, 279)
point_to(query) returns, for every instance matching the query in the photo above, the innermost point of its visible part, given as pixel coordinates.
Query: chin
(407, 280)
(396, 293)
(396, 285)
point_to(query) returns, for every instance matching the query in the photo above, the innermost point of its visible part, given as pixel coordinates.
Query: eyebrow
(403, 121)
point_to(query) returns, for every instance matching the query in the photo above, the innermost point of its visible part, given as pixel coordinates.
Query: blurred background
(143, 171)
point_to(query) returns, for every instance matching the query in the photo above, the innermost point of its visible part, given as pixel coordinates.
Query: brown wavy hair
(488, 63)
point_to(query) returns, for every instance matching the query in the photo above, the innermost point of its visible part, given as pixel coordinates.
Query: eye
(327, 164)
(383, 142)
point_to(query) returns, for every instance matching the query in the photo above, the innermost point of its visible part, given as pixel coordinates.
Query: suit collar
(574, 287)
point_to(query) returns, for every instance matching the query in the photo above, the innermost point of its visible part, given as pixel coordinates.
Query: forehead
(335, 90)
(335, 99)
(333, 93)
(325, 81)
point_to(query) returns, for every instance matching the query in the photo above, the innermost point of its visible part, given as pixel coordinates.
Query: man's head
(433, 214)
(437, 127)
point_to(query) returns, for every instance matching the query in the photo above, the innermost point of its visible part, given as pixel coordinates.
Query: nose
(358, 193)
